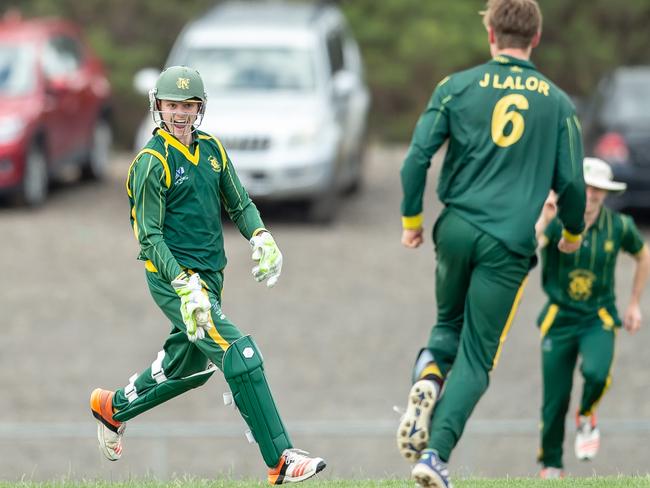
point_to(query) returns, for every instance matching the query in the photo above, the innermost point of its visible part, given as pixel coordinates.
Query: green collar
(505, 59)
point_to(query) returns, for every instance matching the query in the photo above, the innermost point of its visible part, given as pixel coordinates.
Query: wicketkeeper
(177, 186)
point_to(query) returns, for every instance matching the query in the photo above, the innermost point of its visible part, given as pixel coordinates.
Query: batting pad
(243, 370)
(161, 392)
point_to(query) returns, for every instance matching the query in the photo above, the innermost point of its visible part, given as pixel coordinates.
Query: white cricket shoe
(413, 430)
(109, 430)
(551, 473)
(587, 440)
(295, 466)
(430, 471)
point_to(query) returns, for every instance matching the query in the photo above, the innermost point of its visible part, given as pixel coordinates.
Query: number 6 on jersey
(501, 116)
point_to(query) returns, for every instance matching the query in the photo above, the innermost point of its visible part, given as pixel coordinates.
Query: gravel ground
(338, 333)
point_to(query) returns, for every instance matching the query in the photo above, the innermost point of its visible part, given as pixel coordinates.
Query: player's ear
(536, 38)
(491, 38)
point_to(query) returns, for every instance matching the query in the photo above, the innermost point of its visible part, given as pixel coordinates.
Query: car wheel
(322, 209)
(32, 191)
(100, 152)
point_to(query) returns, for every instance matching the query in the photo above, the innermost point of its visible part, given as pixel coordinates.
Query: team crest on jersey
(609, 246)
(183, 83)
(214, 163)
(581, 284)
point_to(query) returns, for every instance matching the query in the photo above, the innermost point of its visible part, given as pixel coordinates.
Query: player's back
(505, 123)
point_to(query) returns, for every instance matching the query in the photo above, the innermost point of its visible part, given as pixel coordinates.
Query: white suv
(286, 96)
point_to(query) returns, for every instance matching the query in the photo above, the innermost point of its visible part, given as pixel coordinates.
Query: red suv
(54, 107)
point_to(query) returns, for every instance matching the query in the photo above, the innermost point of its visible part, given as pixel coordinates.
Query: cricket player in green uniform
(580, 318)
(512, 135)
(177, 186)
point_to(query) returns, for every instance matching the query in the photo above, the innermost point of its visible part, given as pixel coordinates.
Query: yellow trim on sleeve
(149, 266)
(569, 237)
(549, 318)
(157, 155)
(511, 316)
(412, 223)
(259, 230)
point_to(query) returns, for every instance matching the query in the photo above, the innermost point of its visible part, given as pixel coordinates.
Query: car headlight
(10, 128)
(306, 135)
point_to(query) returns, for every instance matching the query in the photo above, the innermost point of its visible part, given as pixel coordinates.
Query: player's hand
(195, 307)
(267, 257)
(549, 210)
(632, 320)
(568, 247)
(412, 238)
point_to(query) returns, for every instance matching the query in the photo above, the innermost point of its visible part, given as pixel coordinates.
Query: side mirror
(145, 79)
(344, 83)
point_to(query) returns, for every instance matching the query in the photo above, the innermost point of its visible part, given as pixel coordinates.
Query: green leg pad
(162, 392)
(243, 370)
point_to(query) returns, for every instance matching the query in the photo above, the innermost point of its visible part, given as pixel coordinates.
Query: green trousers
(479, 283)
(183, 365)
(563, 341)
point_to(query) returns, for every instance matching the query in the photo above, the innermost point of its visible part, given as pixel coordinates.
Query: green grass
(595, 482)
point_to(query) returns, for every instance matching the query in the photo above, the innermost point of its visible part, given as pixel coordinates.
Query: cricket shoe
(109, 430)
(430, 471)
(587, 437)
(295, 466)
(413, 430)
(551, 473)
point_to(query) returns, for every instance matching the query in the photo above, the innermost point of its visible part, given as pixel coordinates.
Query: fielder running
(177, 186)
(580, 318)
(512, 135)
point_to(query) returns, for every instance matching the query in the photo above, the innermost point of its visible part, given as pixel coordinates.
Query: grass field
(596, 482)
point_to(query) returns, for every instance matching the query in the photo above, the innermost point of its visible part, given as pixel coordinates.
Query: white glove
(195, 307)
(268, 258)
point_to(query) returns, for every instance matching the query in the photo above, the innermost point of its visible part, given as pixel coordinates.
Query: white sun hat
(598, 174)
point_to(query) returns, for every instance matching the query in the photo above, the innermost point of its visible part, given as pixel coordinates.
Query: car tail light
(612, 147)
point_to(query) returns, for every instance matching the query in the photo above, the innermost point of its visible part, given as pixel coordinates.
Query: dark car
(616, 128)
(54, 107)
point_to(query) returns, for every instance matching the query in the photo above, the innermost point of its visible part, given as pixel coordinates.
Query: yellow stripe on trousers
(511, 316)
(548, 320)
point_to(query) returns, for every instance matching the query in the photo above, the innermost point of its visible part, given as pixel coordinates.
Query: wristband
(569, 237)
(412, 223)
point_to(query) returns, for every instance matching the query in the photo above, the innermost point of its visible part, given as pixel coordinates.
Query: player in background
(580, 319)
(512, 136)
(177, 186)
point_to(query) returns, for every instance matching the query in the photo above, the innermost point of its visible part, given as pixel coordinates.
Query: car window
(16, 69)
(335, 51)
(61, 57)
(253, 68)
(628, 100)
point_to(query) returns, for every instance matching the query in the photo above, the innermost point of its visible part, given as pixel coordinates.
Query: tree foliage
(408, 45)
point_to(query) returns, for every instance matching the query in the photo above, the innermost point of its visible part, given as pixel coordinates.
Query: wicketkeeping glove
(268, 258)
(195, 307)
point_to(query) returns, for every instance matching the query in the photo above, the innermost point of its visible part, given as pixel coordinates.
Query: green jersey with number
(582, 284)
(176, 195)
(513, 135)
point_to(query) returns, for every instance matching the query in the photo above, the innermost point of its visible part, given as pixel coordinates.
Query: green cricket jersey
(582, 283)
(176, 195)
(513, 135)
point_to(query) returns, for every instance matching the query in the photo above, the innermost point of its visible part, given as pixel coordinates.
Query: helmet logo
(183, 83)
(214, 163)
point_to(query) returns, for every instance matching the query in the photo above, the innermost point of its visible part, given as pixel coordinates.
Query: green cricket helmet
(178, 83)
